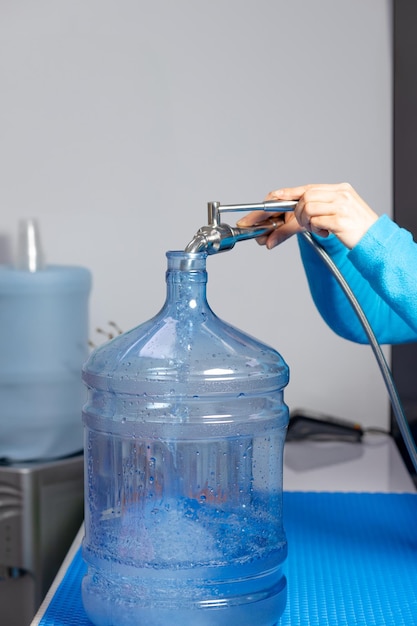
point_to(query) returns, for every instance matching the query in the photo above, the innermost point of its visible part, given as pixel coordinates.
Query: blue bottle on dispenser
(43, 344)
(184, 430)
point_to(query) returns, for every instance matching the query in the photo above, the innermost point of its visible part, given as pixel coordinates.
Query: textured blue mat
(352, 560)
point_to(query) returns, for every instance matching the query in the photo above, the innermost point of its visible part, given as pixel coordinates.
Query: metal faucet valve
(217, 237)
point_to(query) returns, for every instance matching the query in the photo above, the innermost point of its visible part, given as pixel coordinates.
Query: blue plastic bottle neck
(186, 279)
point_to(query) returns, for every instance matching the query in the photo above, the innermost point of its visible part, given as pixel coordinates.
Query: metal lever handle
(274, 206)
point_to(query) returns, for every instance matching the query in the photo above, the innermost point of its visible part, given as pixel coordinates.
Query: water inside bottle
(202, 551)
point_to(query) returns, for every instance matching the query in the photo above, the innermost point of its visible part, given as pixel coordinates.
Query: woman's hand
(321, 209)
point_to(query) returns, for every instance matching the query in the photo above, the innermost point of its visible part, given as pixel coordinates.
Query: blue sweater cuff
(375, 239)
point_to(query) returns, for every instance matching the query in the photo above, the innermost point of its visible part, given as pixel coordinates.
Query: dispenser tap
(217, 237)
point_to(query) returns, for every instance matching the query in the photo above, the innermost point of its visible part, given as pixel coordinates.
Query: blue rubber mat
(352, 560)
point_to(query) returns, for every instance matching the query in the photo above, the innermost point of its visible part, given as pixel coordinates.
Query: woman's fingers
(321, 209)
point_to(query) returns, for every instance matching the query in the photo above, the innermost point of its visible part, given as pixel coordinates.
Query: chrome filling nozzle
(216, 237)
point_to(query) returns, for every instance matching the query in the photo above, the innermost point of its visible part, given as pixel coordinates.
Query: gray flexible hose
(379, 355)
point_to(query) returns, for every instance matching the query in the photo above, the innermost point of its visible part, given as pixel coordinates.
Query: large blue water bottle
(184, 430)
(43, 344)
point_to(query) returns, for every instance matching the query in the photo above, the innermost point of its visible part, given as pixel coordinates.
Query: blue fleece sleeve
(381, 271)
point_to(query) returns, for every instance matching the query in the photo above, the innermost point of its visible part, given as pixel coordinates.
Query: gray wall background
(120, 120)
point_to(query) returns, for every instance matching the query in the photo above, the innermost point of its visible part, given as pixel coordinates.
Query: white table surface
(374, 465)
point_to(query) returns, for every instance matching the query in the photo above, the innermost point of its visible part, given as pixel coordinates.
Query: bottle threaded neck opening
(179, 261)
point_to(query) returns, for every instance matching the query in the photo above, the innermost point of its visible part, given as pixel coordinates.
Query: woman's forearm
(379, 270)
